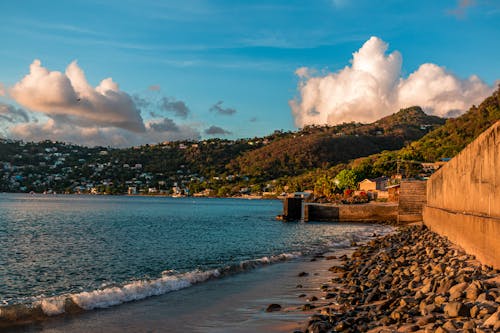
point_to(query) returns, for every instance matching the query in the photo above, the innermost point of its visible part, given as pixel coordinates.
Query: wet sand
(232, 304)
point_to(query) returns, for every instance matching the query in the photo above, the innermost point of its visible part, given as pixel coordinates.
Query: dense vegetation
(326, 146)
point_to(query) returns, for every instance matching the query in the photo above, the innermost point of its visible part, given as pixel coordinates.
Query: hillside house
(375, 184)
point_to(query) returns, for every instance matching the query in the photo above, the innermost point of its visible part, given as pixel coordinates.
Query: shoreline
(249, 292)
(411, 280)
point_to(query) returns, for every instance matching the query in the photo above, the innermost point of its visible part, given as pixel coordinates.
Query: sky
(131, 72)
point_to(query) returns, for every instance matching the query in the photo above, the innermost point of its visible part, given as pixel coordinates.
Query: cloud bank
(71, 110)
(373, 87)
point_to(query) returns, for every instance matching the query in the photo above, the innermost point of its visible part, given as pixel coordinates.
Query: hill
(450, 139)
(323, 147)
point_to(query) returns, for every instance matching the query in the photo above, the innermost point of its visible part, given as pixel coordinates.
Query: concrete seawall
(463, 198)
(350, 213)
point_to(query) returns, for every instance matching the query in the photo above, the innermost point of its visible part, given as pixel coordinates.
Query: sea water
(100, 251)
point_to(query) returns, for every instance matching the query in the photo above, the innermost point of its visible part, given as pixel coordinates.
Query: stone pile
(410, 281)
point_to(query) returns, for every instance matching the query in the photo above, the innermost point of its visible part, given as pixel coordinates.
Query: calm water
(101, 251)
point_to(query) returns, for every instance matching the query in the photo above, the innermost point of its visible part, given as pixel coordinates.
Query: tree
(347, 179)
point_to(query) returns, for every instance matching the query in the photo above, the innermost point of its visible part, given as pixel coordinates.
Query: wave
(41, 308)
(350, 239)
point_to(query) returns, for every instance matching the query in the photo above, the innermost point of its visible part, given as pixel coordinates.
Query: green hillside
(323, 147)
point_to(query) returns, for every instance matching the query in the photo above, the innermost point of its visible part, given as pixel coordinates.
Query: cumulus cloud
(373, 87)
(217, 108)
(179, 108)
(70, 95)
(12, 114)
(216, 130)
(69, 109)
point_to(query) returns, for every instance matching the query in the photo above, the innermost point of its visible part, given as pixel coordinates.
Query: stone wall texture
(463, 198)
(412, 197)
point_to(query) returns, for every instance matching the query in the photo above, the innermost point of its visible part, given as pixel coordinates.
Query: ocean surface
(94, 252)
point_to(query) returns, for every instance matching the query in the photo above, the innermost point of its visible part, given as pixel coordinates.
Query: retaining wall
(463, 198)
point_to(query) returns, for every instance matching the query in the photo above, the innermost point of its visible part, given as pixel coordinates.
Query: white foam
(106, 297)
(140, 289)
(268, 260)
(53, 306)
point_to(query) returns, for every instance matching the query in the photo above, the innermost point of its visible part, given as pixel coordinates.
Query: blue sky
(239, 55)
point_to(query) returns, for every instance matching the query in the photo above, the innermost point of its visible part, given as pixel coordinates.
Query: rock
(312, 299)
(458, 288)
(485, 297)
(298, 286)
(273, 307)
(330, 257)
(449, 325)
(301, 274)
(469, 325)
(307, 307)
(428, 309)
(374, 295)
(319, 327)
(302, 295)
(422, 321)
(492, 320)
(341, 326)
(473, 290)
(409, 328)
(441, 330)
(439, 300)
(337, 269)
(330, 295)
(456, 309)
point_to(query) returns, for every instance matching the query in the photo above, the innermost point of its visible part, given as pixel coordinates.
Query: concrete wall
(350, 213)
(463, 198)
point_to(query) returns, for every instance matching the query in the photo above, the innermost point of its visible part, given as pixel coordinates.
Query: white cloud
(74, 111)
(373, 87)
(69, 95)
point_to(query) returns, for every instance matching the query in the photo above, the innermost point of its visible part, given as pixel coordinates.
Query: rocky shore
(411, 281)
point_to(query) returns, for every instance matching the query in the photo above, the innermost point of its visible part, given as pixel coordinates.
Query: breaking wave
(40, 308)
